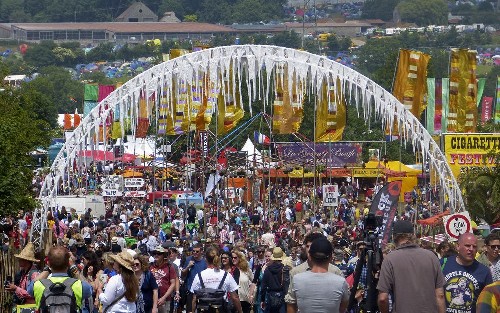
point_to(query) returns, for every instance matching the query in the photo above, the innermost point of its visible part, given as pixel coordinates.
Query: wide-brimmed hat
(28, 253)
(125, 259)
(278, 254)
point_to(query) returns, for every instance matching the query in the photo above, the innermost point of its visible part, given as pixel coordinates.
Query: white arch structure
(247, 62)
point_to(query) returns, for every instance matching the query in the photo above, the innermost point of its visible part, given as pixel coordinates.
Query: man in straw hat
(58, 264)
(166, 277)
(28, 273)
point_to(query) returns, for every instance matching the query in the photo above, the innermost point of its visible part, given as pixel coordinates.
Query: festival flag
(497, 104)
(90, 92)
(481, 82)
(330, 111)
(287, 106)
(431, 106)
(230, 110)
(76, 119)
(410, 86)
(462, 114)
(385, 204)
(486, 109)
(437, 102)
(445, 103)
(261, 138)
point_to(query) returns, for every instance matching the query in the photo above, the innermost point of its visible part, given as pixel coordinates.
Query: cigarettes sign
(466, 151)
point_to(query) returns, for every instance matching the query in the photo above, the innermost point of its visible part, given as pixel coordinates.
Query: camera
(7, 282)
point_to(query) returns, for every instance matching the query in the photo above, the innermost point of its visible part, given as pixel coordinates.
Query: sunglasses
(234, 258)
(137, 264)
(196, 251)
(494, 247)
(224, 258)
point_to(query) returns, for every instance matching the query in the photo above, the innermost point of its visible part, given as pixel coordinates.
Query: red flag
(486, 109)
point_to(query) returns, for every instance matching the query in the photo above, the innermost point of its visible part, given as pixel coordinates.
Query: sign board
(333, 154)
(112, 193)
(135, 193)
(457, 224)
(26, 308)
(134, 182)
(331, 195)
(230, 193)
(468, 151)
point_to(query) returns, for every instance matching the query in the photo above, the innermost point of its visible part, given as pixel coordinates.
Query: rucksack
(209, 297)
(58, 297)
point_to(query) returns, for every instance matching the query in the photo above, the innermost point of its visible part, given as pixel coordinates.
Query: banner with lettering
(334, 154)
(330, 111)
(463, 151)
(385, 204)
(486, 109)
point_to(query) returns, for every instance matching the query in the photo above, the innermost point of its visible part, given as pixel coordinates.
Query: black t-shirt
(134, 228)
(255, 218)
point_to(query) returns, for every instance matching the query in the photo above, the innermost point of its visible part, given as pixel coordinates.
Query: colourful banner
(431, 105)
(330, 111)
(287, 107)
(463, 151)
(486, 109)
(385, 204)
(230, 110)
(462, 116)
(410, 85)
(90, 92)
(481, 82)
(445, 101)
(497, 105)
(335, 154)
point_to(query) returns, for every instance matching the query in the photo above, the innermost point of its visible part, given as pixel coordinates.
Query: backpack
(58, 297)
(210, 297)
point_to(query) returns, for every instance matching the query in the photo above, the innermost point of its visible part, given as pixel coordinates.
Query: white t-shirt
(113, 290)
(212, 278)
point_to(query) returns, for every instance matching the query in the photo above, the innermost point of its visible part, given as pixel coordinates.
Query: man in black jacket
(275, 284)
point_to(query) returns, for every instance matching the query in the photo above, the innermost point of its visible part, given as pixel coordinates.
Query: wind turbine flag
(261, 138)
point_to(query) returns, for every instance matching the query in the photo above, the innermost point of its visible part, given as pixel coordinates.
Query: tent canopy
(252, 152)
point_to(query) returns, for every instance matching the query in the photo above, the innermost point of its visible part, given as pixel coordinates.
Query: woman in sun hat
(27, 274)
(122, 289)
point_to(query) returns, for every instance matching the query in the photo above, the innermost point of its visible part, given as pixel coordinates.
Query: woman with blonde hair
(122, 289)
(244, 277)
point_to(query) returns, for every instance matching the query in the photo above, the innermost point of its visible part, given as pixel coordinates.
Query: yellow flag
(462, 115)
(330, 112)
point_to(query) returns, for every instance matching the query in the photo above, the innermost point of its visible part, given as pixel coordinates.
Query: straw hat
(278, 254)
(124, 259)
(28, 253)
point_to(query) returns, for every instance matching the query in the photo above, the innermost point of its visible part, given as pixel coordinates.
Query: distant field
(483, 70)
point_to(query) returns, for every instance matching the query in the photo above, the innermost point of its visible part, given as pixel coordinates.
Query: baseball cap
(321, 248)
(402, 227)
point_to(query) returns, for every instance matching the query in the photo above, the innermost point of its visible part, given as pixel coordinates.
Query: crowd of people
(286, 253)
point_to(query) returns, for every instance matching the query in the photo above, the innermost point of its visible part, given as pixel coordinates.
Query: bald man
(465, 277)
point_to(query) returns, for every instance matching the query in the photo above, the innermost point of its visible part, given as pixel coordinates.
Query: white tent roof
(249, 147)
(142, 147)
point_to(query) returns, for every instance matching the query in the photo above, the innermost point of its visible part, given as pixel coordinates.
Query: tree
(481, 190)
(40, 55)
(20, 133)
(58, 85)
(423, 12)
(381, 9)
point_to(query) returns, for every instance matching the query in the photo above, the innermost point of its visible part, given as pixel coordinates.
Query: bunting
(330, 111)
(462, 116)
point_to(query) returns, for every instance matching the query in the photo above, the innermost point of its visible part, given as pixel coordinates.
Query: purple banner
(334, 154)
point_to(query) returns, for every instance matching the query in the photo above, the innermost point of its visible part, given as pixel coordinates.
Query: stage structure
(214, 76)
